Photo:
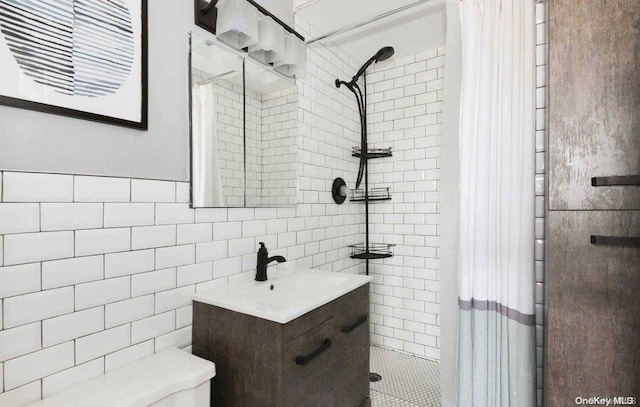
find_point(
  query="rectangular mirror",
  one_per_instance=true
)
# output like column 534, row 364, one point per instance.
column 272, row 137
column 244, row 135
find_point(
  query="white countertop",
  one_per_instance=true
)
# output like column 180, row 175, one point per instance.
column 287, row 294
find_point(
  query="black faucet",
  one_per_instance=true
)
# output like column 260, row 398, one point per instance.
column 263, row 261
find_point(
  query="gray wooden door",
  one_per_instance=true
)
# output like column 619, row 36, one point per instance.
column 593, row 340
column 594, row 102
column 593, row 291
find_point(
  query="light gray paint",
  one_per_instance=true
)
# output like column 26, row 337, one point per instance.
column 450, row 205
column 34, row 141
column 41, row 142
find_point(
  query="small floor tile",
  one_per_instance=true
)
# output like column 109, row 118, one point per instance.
column 382, row 400
column 407, row 381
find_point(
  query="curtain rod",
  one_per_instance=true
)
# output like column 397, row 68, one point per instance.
column 367, row 21
column 374, row 18
column 213, row 78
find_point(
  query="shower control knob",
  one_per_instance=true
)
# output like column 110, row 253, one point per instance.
column 339, row 191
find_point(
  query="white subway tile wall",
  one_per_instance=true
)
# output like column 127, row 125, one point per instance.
column 67, row 378
column 45, row 362
column 541, row 135
column 234, row 146
column 32, row 247
column 23, row 309
column 270, row 147
column 70, row 216
column 70, row 326
column 19, row 341
column 97, row 272
column 101, row 189
column 404, row 102
column 26, row 187
column 278, row 148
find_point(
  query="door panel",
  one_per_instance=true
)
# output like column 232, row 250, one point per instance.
column 594, row 102
column 311, row 384
column 593, row 300
column 352, row 370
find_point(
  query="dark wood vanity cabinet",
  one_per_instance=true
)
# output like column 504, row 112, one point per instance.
column 256, row 362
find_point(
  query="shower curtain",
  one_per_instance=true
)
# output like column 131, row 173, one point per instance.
column 496, row 326
column 207, row 183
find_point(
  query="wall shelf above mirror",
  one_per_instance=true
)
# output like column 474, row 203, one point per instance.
column 244, row 135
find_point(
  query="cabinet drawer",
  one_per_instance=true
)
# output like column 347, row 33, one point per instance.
column 306, row 322
column 593, row 305
column 310, row 382
column 594, row 103
column 346, row 309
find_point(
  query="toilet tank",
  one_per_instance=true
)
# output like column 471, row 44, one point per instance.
column 170, row 378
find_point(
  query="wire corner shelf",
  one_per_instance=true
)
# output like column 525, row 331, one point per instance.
column 374, row 251
column 375, row 194
column 372, row 152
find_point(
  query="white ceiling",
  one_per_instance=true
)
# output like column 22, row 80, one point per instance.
column 414, row 30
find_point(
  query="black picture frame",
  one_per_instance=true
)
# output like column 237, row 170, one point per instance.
column 79, row 114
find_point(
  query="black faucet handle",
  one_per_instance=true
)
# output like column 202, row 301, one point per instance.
column 262, row 246
column 262, row 251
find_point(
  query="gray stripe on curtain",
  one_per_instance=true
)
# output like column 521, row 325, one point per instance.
column 525, row 319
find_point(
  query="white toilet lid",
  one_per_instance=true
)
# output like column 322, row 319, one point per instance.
column 139, row 384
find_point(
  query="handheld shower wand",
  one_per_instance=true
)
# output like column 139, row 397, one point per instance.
column 382, row 55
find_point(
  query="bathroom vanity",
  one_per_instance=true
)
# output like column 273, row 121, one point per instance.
column 294, row 341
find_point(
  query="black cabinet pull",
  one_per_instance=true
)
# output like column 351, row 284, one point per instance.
column 615, row 181
column 615, row 241
column 303, row 360
column 348, row 328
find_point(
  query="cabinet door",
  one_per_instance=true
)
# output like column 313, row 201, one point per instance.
column 310, row 384
column 352, row 369
column 593, row 300
column 247, row 354
column 594, row 102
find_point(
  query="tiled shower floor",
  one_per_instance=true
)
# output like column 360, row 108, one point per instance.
column 407, row 381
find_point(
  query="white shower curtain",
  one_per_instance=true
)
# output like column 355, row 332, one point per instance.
column 496, row 327
column 207, row 183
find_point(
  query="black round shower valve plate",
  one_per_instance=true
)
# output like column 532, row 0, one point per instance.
column 337, row 191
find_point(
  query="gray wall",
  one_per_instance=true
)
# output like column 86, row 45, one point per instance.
column 34, row 141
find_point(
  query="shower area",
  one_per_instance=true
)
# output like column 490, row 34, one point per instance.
column 403, row 173
column 394, row 80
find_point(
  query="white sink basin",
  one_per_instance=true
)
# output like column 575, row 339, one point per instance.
column 285, row 298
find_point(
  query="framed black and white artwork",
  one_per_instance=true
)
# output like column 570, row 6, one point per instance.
column 78, row 58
